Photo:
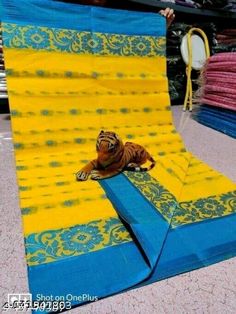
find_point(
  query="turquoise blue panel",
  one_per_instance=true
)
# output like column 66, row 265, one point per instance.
column 79, row 17
column 100, row 273
column 148, row 226
column 195, row 246
column 180, row 249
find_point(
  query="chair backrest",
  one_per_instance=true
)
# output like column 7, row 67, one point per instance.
column 195, row 48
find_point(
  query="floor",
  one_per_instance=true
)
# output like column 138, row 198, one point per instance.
column 210, row 290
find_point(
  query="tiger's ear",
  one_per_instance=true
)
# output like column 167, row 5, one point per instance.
column 101, row 132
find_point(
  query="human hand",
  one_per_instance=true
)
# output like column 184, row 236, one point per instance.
column 169, row 14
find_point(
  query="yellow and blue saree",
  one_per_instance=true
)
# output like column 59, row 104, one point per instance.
column 71, row 71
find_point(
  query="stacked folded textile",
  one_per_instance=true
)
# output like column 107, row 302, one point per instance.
column 206, row 4
column 211, row 4
column 231, row 6
column 220, row 119
column 225, row 41
column 186, row 3
column 219, row 91
column 219, row 81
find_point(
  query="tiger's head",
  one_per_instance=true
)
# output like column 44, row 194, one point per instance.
column 109, row 146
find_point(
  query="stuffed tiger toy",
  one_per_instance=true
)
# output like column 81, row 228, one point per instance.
column 114, row 157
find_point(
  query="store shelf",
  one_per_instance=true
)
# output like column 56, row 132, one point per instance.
column 211, row 13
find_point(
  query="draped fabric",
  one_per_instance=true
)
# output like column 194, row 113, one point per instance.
column 74, row 70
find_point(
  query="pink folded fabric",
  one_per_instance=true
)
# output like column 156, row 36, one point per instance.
column 220, row 74
column 224, row 56
column 222, row 99
column 221, row 82
column 228, row 66
column 215, row 103
column 218, row 81
column 218, row 89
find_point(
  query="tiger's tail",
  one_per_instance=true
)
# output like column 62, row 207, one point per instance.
column 141, row 169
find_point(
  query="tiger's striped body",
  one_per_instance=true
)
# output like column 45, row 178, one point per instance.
column 114, row 157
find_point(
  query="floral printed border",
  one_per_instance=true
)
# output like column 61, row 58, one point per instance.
column 72, row 41
column 181, row 213
column 53, row 245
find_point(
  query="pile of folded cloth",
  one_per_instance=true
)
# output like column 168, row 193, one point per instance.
column 225, row 41
column 229, row 5
column 186, row 3
column 217, row 94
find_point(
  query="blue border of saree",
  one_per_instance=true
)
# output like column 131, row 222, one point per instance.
column 158, row 251
column 72, row 16
column 178, row 249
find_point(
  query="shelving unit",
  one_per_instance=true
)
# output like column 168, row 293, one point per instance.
column 3, row 87
column 222, row 14
column 193, row 17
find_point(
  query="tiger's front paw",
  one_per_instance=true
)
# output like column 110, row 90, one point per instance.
column 96, row 175
column 132, row 165
column 82, row 176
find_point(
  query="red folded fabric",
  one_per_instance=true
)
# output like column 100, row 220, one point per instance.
column 221, row 81
column 220, row 98
column 218, row 89
column 228, row 66
column 216, row 103
column 219, row 75
column 218, row 80
column 223, row 56
column 230, row 32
